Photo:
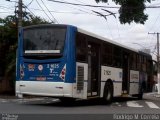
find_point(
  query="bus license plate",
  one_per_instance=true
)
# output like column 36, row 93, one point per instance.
column 41, row 78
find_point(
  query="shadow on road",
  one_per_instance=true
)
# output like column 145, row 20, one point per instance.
column 80, row 103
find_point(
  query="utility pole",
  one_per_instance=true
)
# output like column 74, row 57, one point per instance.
column 158, row 61
column 19, row 27
column 19, row 14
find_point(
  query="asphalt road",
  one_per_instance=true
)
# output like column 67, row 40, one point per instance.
column 95, row 109
column 149, row 104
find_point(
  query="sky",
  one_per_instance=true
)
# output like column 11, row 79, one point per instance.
column 132, row 35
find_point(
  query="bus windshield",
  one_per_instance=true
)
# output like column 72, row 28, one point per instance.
column 43, row 40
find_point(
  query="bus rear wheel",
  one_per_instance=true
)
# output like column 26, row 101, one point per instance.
column 108, row 93
column 140, row 95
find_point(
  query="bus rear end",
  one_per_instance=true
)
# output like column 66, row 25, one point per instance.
column 46, row 61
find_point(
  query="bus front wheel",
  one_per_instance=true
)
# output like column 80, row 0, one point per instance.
column 108, row 93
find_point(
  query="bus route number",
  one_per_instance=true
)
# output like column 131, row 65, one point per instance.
column 52, row 67
column 107, row 72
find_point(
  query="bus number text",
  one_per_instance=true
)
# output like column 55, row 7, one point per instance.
column 107, row 72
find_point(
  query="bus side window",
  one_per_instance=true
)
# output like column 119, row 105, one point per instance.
column 81, row 50
column 144, row 64
column 117, row 61
column 133, row 61
column 107, row 55
column 138, row 62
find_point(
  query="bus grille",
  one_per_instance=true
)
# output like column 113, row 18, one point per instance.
column 80, row 78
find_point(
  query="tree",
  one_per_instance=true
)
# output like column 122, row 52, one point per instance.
column 131, row 10
column 8, row 43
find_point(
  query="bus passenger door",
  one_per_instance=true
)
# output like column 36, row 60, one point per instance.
column 93, row 69
column 125, row 82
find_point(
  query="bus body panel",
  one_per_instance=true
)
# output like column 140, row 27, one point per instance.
column 134, row 82
column 114, row 74
column 80, row 90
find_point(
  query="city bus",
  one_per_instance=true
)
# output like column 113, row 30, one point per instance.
column 67, row 62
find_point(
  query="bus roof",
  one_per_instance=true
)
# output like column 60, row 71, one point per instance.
column 45, row 25
column 105, row 39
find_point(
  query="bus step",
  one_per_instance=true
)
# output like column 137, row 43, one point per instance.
column 90, row 97
column 125, row 95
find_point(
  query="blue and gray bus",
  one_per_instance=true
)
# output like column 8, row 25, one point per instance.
column 66, row 62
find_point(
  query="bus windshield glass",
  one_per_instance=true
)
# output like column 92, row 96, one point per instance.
column 44, row 40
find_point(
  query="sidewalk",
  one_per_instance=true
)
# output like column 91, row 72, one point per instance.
column 7, row 96
column 152, row 96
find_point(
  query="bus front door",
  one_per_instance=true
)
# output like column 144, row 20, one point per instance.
column 93, row 69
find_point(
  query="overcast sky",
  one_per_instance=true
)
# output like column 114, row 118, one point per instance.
column 133, row 35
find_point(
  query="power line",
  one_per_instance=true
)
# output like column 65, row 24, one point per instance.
column 49, row 11
column 109, row 29
column 30, row 11
column 155, row 22
column 79, row 1
column 96, row 6
column 63, row 11
column 6, row 7
column 83, row 11
column 44, row 11
column 6, row 12
column 83, row 8
column 29, row 3
column 81, row 4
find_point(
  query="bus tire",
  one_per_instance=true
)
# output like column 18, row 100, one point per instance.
column 142, row 88
column 140, row 95
column 108, row 93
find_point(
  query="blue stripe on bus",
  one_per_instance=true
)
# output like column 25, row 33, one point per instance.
column 42, row 61
column 70, row 54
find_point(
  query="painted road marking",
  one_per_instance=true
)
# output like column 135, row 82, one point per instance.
column 55, row 100
column 133, row 104
column 117, row 104
column 152, row 105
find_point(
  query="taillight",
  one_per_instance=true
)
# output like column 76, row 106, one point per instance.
column 21, row 71
column 63, row 73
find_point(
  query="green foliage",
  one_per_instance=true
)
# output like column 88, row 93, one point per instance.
column 131, row 10
column 34, row 20
column 9, row 40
